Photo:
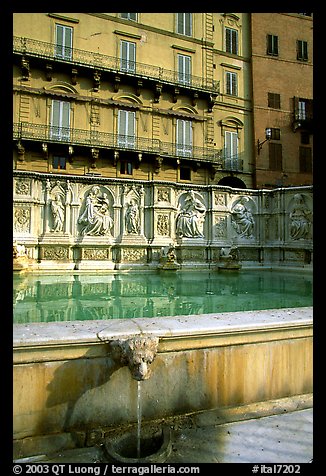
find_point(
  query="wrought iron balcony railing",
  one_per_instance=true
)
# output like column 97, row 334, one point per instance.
column 93, row 138
column 94, row 60
column 232, row 163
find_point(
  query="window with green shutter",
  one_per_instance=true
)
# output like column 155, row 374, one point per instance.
column 184, row 69
column 305, row 160
column 231, row 41
column 128, row 56
column 129, row 16
column 302, row 50
column 231, row 152
column 275, row 156
column 272, row 45
column 60, row 120
column 184, row 23
column 184, row 138
column 231, row 83
column 126, row 129
column 63, row 42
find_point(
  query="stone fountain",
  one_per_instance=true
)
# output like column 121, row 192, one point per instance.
column 150, row 445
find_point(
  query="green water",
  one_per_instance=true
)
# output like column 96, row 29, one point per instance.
column 49, row 298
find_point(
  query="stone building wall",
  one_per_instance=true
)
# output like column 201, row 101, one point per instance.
column 77, row 223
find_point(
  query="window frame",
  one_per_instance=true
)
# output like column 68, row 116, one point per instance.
column 231, row 83
column 272, row 47
column 302, row 50
column 231, row 41
column 64, row 48
column 57, row 161
column 275, row 156
column 184, row 148
column 126, row 141
column 183, row 76
column 58, row 131
column 181, row 24
column 126, row 167
column 128, row 65
column 274, row 100
column 128, row 16
column 185, row 169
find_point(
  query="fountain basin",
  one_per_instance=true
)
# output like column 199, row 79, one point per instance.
column 155, row 446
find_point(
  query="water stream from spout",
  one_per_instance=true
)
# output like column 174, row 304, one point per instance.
column 138, row 417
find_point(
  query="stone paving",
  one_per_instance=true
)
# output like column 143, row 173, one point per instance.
column 280, row 438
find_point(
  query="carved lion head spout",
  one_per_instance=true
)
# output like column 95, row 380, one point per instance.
column 138, row 353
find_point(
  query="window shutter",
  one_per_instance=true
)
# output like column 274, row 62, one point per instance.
column 67, row 42
column 128, row 56
column 60, row 120
column 65, row 120
column 126, row 128
column 184, row 137
column 63, row 42
column 275, row 156
column 187, row 24
column 180, row 23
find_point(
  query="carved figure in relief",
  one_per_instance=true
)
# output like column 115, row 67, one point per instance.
column 190, row 220
column 58, row 212
column 132, row 217
column 96, row 219
column 242, row 220
column 299, row 218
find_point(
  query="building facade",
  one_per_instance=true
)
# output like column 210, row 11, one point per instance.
column 134, row 95
column 282, row 72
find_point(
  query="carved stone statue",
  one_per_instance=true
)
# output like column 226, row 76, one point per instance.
column 299, row 218
column 58, row 213
column 96, row 219
column 168, row 258
column 132, row 217
column 242, row 220
column 229, row 258
column 190, row 219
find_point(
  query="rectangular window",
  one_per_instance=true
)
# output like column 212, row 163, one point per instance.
column 185, row 173
column 129, row 16
column 302, row 50
column 126, row 129
column 305, row 160
column 231, row 83
column 274, row 100
column 125, row 167
column 128, row 56
column 59, row 162
column 184, row 138
column 272, row 45
column 275, row 133
column 60, row 120
column 231, row 41
column 230, row 149
column 63, row 42
column 184, row 69
column 275, row 156
column 184, row 23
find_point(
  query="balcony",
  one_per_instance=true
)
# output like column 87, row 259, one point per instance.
column 95, row 139
column 98, row 61
column 303, row 115
column 232, row 164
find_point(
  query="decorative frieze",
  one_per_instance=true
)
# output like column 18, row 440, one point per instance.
column 115, row 223
column 134, row 255
column 55, row 252
column 96, row 253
